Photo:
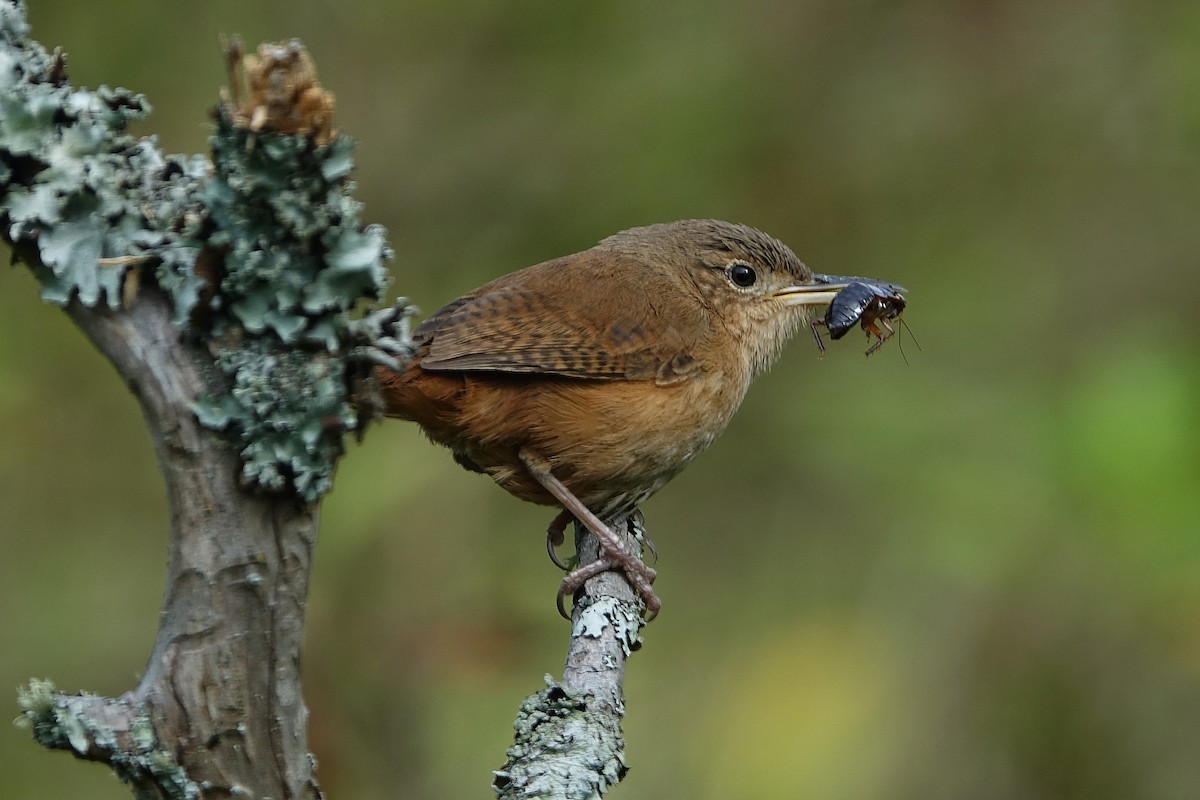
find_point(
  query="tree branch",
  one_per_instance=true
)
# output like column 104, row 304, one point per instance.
column 568, row 741
column 221, row 292
column 222, row 686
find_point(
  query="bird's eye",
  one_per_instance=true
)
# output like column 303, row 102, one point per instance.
column 742, row 274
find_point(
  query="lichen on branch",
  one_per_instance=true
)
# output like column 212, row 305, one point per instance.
column 71, row 178
column 96, row 728
column 260, row 249
column 288, row 262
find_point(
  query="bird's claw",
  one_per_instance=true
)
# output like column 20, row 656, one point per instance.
column 639, row 575
column 555, row 536
column 637, row 529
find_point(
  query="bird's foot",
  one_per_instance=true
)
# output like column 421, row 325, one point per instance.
column 639, row 575
column 613, row 554
column 555, row 536
column 637, row 527
column 556, row 530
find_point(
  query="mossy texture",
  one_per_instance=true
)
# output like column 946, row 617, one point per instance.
column 260, row 251
column 562, row 749
column 71, row 722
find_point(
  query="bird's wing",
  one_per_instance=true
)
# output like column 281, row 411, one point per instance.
column 535, row 321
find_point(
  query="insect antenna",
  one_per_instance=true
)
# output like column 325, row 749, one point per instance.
column 900, row 339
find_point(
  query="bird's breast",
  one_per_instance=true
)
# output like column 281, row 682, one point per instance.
column 628, row 438
column 612, row 442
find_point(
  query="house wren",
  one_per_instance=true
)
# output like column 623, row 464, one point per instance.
column 589, row 381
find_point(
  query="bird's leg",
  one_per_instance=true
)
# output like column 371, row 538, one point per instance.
column 612, row 552
column 557, row 528
column 554, row 536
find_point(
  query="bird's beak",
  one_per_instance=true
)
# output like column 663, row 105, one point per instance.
column 808, row 294
column 826, row 287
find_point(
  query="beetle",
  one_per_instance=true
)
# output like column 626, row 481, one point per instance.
column 871, row 304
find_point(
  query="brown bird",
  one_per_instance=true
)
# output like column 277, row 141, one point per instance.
column 589, row 381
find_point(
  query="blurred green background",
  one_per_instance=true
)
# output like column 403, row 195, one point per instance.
column 974, row 575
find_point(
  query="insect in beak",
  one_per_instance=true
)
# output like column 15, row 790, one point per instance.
column 870, row 303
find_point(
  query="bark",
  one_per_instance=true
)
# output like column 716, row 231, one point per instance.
column 224, row 675
column 138, row 248
column 221, row 690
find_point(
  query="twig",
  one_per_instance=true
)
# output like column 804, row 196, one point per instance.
column 568, row 736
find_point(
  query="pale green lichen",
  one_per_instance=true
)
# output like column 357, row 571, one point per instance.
column 295, row 264
column 283, row 403
column 73, row 180
column 562, row 749
column 260, row 249
column 36, row 702
column 602, row 613
column 296, row 258
column 69, row 722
